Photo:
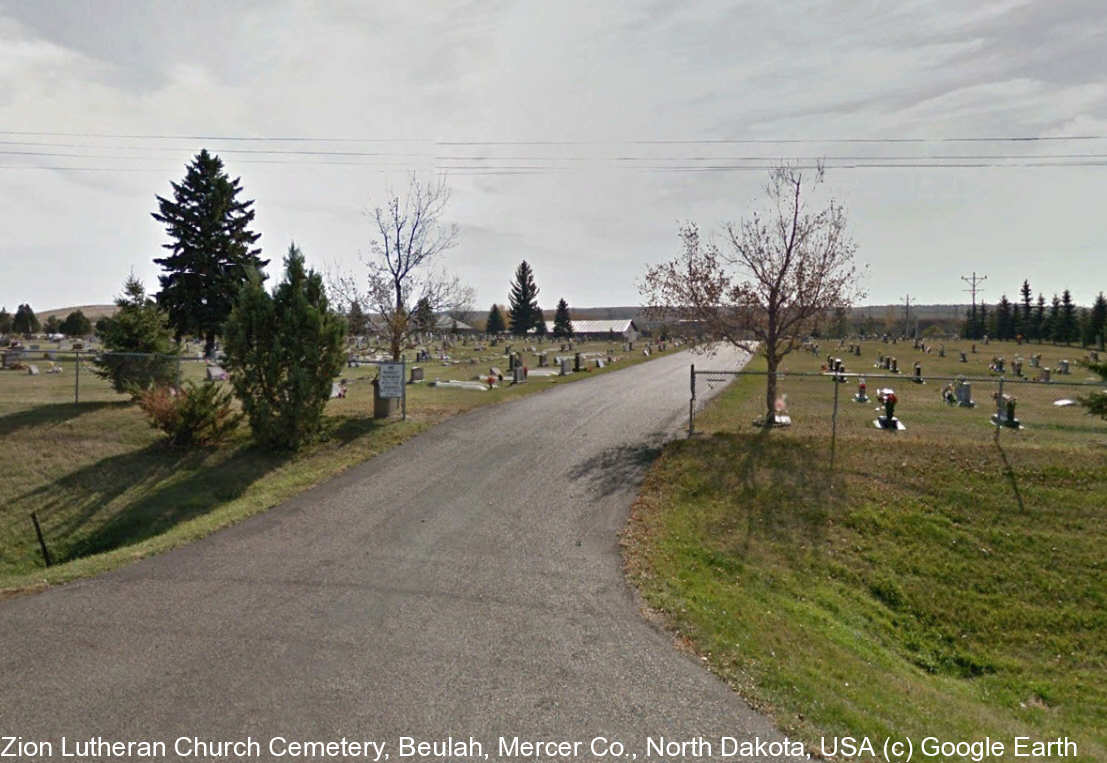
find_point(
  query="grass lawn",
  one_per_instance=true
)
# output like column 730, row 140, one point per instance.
column 942, row 584
column 108, row 490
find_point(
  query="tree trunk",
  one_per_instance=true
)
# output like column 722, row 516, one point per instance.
column 209, row 344
column 397, row 326
column 770, row 390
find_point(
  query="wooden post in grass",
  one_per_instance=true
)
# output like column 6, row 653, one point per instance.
column 692, row 400
column 41, row 540
column 834, row 425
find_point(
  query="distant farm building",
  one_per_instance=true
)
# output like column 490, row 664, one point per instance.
column 624, row 329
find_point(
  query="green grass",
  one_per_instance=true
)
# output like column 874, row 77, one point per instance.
column 108, row 490
column 912, row 594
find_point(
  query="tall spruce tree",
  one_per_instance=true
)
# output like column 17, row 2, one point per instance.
column 357, row 322
column 495, row 323
column 1067, row 330
column 1005, row 326
column 540, row 324
column 211, row 252
column 1040, row 318
column 1026, row 320
column 422, row 317
column 524, row 313
column 563, row 322
column 1097, row 321
column 1052, row 325
column 5, row 321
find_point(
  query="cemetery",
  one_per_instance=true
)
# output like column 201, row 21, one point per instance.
column 944, row 578
column 82, row 460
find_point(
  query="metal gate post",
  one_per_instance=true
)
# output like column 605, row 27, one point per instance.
column 692, row 400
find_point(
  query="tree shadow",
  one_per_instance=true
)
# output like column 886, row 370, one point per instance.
column 346, row 429
column 617, row 468
column 52, row 414
column 782, row 485
column 149, row 495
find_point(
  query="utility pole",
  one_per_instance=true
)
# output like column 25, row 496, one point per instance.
column 907, row 316
column 972, row 281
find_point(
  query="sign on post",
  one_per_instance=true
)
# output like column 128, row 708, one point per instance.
column 392, row 380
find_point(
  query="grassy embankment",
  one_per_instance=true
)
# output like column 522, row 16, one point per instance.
column 107, row 489
column 943, row 586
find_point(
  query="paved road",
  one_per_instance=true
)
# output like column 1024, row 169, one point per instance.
column 465, row 583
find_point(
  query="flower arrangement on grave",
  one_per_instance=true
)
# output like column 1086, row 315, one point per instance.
column 890, row 405
column 948, row 394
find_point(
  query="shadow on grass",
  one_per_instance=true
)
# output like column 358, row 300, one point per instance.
column 52, row 414
column 128, row 498
column 346, row 429
column 617, row 468
column 779, row 484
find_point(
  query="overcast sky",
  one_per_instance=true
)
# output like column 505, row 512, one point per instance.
column 576, row 135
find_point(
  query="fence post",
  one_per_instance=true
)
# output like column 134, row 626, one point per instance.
column 41, row 540
column 834, row 423
column 77, row 377
column 692, row 400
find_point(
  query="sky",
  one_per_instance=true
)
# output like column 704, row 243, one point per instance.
column 578, row 136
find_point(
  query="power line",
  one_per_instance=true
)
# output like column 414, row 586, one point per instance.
column 973, row 281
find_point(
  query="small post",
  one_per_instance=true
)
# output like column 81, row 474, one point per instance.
column 41, row 540
column 403, row 396
column 834, row 426
column 76, row 385
column 692, row 400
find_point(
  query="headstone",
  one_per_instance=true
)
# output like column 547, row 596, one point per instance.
column 495, row 371
column 1036, row 360
column 918, row 373
column 887, row 398
column 895, row 366
column 32, row 370
column 1063, row 367
column 416, row 374
column 862, row 392
column 565, row 370
column 1043, row 374
column 543, row 360
column 964, row 359
column 1005, row 412
column 216, row 373
column 1016, row 367
column 576, row 362
column 519, row 374
column 964, row 395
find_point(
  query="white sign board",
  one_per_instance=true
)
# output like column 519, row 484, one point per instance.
column 392, row 380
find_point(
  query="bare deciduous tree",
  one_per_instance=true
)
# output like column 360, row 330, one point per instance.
column 411, row 234
column 784, row 269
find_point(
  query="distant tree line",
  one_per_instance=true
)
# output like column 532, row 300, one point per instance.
column 1060, row 321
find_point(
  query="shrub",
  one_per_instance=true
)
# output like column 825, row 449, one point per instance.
column 283, row 352
column 197, row 415
column 139, row 350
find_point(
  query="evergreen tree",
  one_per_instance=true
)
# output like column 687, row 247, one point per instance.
column 76, row 324
column 357, row 321
column 563, row 322
column 1068, row 328
column 5, row 321
column 495, row 323
column 139, row 332
column 25, row 321
column 986, row 322
column 1097, row 321
column 1026, row 320
column 211, row 252
column 1096, row 402
column 1005, row 325
column 1040, row 318
column 540, row 324
column 284, row 351
column 524, row 301
column 422, row 317
column 52, row 325
column 1052, row 325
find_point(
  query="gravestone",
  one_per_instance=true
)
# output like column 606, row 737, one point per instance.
column 895, row 366
column 1005, row 412
column 1016, row 367
column 216, row 373
column 519, row 374
column 1043, row 374
column 887, row 398
column 32, row 370
column 1063, row 367
column 918, row 379
column 416, row 374
column 543, row 360
column 862, row 392
column 565, row 371
column 964, row 358
column 1035, row 361
column 576, row 362
column 495, row 371
column 964, row 395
